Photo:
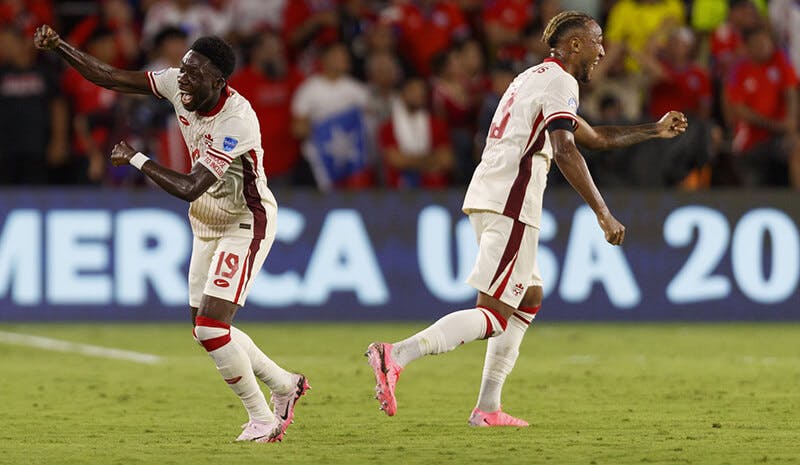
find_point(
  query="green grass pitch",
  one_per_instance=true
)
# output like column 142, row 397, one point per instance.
column 594, row 394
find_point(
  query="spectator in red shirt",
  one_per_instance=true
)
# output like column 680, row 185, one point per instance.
column 269, row 83
column 678, row 82
column 415, row 145
column 726, row 40
column 762, row 96
column 93, row 108
column 26, row 15
column 504, row 22
column 308, row 26
column 456, row 102
column 427, row 28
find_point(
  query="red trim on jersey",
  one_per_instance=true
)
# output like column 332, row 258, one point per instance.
column 215, row 343
column 516, row 196
column 534, row 127
column 503, row 322
column 556, row 61
column 210, row 322
column 226, row 92
column 253, row 197
column 559, row 115
column 222, row 159
column 220, row 154
column 152, row 82
column 509, row 255
column 253, row 200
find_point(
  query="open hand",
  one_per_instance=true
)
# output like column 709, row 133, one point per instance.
column 46, row 38
column 121, row 154
column 672, row 124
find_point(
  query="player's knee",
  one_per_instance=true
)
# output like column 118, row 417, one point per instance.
column 533, row 297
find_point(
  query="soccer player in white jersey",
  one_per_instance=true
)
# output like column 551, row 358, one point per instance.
column 535, row 122
column 231, row 210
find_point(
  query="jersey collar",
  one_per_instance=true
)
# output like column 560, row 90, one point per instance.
column 226, row 92
column 556, row 61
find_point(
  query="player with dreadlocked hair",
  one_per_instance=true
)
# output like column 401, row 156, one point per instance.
column 536, row 122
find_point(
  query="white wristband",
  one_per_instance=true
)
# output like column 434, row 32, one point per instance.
column 138, row 160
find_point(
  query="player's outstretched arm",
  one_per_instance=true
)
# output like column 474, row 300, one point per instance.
column 94, row 70
column 615, row 137
column 186, row 187
column 573, row 166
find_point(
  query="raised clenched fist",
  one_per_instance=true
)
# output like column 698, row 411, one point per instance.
column 46, row 38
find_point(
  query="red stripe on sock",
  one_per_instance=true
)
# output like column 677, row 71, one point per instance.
column 503, row 322
column 210, row 322
column 489, row 327
column 233, row 380
column 216, row 342
column 530, row 310
column 522, row 318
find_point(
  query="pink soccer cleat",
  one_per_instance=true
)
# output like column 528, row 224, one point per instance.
column 496, row 418
column 283, row 404
column 387, row 372
column 260, row 432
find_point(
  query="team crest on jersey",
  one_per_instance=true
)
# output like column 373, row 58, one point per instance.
column 229, row 143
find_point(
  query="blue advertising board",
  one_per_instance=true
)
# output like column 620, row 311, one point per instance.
column 123, row 255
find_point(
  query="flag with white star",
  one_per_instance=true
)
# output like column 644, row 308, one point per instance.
column 339, row 144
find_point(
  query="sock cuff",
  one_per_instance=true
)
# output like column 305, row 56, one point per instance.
column 497, row 316
column 207, row 331
column 210, row 322
column 527, row 314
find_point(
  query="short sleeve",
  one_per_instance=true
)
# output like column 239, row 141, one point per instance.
column 560, row 100
column 164, row 83
column 230, row 139
column 789, row 75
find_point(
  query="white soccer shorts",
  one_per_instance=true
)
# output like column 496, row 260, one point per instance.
column 506, row 264
column 226, row 267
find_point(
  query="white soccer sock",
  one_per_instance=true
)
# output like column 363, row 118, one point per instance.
column 449, row 332
column 234, row 366
column 501, row 355
column 276, row 378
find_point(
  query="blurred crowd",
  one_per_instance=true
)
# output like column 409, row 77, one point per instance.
column 354, row 94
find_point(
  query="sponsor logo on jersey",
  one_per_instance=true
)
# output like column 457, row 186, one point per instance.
column 229, row 143
column 221, row 283
column 160, row 72
column 183, row 120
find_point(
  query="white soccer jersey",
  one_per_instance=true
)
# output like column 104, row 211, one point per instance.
column 503, row 181
column 227, row 141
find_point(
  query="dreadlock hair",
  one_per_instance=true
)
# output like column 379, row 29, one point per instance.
column 561, row 23
column 218, row 52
